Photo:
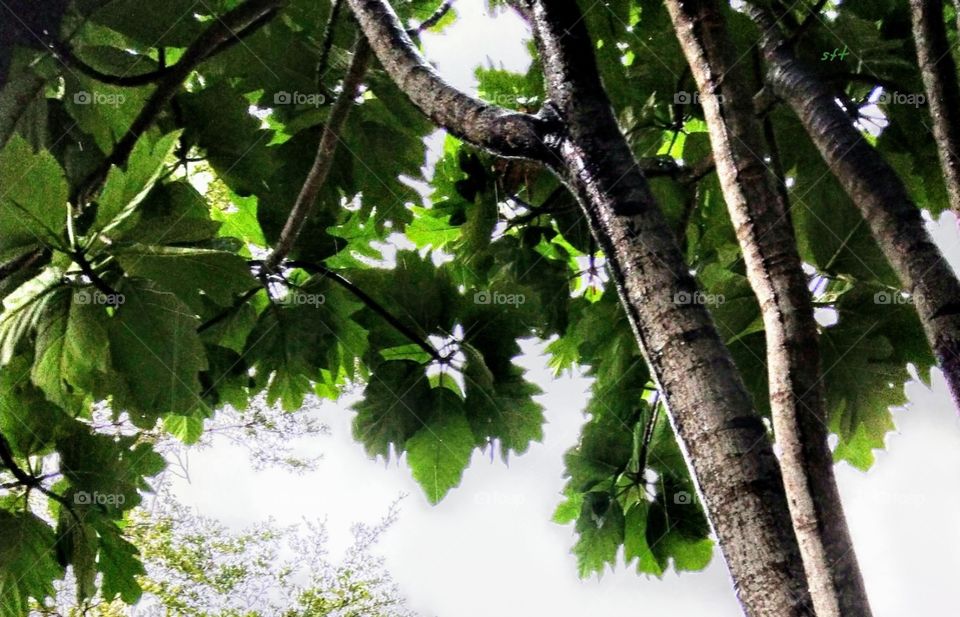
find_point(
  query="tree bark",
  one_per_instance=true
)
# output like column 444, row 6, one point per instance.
column 939, row 73
column 879, row 193
column 728, row 445
column 765, row 233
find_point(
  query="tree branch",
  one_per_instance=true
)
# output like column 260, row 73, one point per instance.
column 503, row 132
column 773, row 265
column 877, row 191
column 710, row 408
column 433, row 20
column 221, row 31
column 939, row 71
column 370, row 303
column 324, row 157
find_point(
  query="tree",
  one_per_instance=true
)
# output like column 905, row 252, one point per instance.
column 217, row 210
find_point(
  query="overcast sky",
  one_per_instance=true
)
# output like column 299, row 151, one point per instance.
column 490, row 549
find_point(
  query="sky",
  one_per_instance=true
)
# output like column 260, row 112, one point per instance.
column 490, row 547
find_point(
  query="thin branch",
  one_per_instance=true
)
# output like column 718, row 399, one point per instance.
column 327, row 44
column 21, row 263
column 229, row 311
column 370, row 303
column 323, row 160
column 27, row 480
column 503, row 132
column 221, row 31
column 433, row 20
column 70, row 59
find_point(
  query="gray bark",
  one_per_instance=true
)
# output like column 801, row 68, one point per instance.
column 765, row 232
column 939, row 73
column 878, row 192
column 729, row 448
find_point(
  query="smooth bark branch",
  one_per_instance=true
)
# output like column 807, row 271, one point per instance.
column 729, row 448
column 323, row 161
column 503, row 132
column 878, row 192
column 939, row 73
column 766, row 236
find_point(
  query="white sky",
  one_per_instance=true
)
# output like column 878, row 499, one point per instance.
column 490, row 549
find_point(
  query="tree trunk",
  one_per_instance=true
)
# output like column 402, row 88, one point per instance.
column 769, row 246
column 878, row 192
column 939, row 73
column 578, row 137
column 709, row 405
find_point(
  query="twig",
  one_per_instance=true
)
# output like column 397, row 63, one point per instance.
column 433, row 20
column 324, row 157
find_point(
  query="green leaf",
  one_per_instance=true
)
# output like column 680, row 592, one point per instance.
column 156, row 352
column 33, row 200
column 123, row 190
column 191, row 273
column 120, row 565
column 600, row 528
column 28, row 565
column 440, row 451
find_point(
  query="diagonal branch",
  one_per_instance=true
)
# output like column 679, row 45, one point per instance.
column 323, row 161
column 877, row 191
column 939, row 71
column 712, row 412
column 797, row 398
column 503, row 132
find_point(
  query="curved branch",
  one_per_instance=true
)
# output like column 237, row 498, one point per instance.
column 503, row 132
column 324, row 157
column 877, row 191
column 223, row 30
column 939, row 73
column 433, row 20
column 766, row 237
